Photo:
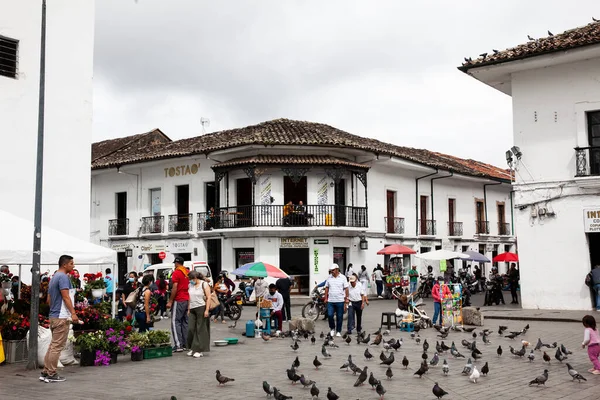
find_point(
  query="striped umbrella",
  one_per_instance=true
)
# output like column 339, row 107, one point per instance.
column 260, row 270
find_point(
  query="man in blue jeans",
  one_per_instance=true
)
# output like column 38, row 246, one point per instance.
column 336, row 298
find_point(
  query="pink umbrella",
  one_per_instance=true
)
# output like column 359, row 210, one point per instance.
column 396, row 249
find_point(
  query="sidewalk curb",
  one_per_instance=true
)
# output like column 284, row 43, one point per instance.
column 529, row 318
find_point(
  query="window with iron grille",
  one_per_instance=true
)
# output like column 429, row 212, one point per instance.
column 8, row 57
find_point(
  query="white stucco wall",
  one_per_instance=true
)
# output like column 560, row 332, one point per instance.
column 68, row 113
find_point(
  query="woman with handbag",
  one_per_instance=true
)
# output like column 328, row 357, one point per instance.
column 130, row 287
column 142, row 306
column 198, row 338
column 220, row 289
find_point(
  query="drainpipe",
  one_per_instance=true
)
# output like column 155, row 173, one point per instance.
column 512, row 215
column 485, row 199
column 417, row 198
column 433, row 179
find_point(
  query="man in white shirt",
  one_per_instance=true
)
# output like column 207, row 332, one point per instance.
column 378, row 275
column 358, row 300
column 349, row 271
column 336, row 298
column 277, row 299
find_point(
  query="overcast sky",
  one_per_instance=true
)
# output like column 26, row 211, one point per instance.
column 381, row 69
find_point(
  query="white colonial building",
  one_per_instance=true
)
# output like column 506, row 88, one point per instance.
column 221, row 197
column 68, row 111
column 555, row 87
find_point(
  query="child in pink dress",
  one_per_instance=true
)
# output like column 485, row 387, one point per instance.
column 591, row 339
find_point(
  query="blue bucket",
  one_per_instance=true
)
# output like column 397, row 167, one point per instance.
column 265, row 312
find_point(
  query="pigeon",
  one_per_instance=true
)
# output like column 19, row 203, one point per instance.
column 267, row 388
column 474, row 335
column 466, row 343
column 424, row 356
column 421, row 371
column 355, row 369
column 331, row 395
column 474, row 348
column 306, row 382
column 412, row 335
column 531, row 356
column 348, row 340
column 445, row 367
column 468, row 367
column 292, row 376
column 280, row 396
column 546, row 358
column 496, row 51
column 397, row 344
column 389, row 360
column 525, row 343
column 501, row 329
column 405, row 362
column 386, row 332
column 574, row 374
column 468, row 330
column 345, row 366
column 380, row 390
column 511, row 335
column 485, row 369
column 539, row 344
column 499, row 351
column 560, row 356
column 521, row 352
column 232, row 326
column 456, row 354
column 373, row 381
column 443, row 335
column 296, row 363
column 312, row 339
column 325, row 353
column 540, row 380
column 314, row 391
column 595, row 20
column 444, row 347
column 322, row 335
column 564, row 350
column 222, row 379
column 366, row 340
column 368, row 354
column 377, row 340
column 382, row 356
column 438, row 347
column 316, row 363
column 434, row 360
column 485, row 339
column 377, row 332
column 425, row 345
column 438, row 392
column 474, row 375
column 388, row 373
column 418, row 339
column 361, row 378
column 530, row 38
column 265, row 337
column 554, row 345
column 550, row 33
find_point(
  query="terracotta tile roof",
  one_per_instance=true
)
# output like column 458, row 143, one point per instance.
column 583, row 36
column 112, row 149
column 285, row 132
column 289, row 160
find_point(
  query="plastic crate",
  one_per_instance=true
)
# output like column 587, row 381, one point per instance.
column 158, row 352
column 15, row 350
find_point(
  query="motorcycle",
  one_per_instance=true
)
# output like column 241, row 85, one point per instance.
column 317, row 306
column 233, row 306
column 242, row 287
column 493, row 293
column 425, row 285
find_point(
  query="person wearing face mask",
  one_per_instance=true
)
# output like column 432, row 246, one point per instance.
column 15, row 287
column 130, row 286
column 198, row 337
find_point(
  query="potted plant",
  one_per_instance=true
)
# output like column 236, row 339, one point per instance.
column 159, row 344
column 116, row 343
column 137, row 343
column 89, row 344
column 14, row 328
column 96, row 284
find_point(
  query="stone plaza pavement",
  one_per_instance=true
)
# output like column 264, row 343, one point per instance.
column 254, row 360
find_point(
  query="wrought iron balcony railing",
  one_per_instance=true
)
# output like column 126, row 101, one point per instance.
column 153, row 224
column 503, row 228
column 180, row 223
column 394, row 225
column 427, row 227
column 482, row 227
column 587, row 161
column 118, row 227
column 455, row 228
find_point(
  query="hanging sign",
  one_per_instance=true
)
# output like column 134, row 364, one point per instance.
column 316, row 260
column 294, row 242
column 591, row 220
column 442, row 265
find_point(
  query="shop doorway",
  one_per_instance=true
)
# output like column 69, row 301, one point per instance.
column 296, row 263
column 294, row 192
column 121, row 266
column 154, row 259
column 213, row 255
column 339, row 258
column 594, row 246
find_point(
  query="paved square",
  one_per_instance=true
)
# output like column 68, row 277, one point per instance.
column 254, row 360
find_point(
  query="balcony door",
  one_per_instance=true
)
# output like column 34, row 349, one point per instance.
column 451, row 216
column 155, row 202
column 423, row 214
column 391, row 207
column 340, row 203
column 594, row 141
column 294, row 192
column 183, row 208
column 480, row 215
column 243, row 196
column 121, row 205
column 501, row 219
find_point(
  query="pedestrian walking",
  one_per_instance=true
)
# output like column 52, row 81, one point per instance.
column 110, row 284
column 198, row 338
column 591, row 339
column 413, row 277
column 596, row 284
column 161, row 296
column 363, row 278
column 142, row 305
column 378, row 277
column 336, row 298
column 283, row 287
column 130, row 285
column 178, row 303
column 61, row 295
column 513, row 278
column 357, row 300
column 349, row 271
column 439, row 292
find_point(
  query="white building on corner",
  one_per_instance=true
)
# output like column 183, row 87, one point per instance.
column 151, row 195
column 68, row 113
column 554, row 83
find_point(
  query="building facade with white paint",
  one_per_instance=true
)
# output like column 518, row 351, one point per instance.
column 153, row 195
column 554, row 83
column 68, row 110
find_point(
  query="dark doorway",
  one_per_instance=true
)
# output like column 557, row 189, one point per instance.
column 423, row 215
column 391, row 207
column 121, row 267
column 181, row 222
column 594, row 246
column 294, row 192
column 213, row 255
column 339, row 258
column 244, row 197
column 209, row 195
column 154, row 259
column 121, row 199
column 340, row 203
column 593, row 121
column 494, row 254
column 183, row 199
column 295, row 262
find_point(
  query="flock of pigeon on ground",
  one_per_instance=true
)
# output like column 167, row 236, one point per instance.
column 387, row 358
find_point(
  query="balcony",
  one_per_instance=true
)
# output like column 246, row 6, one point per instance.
column 482, row 227
column 427, row 227
column 394, row 225
column 587, row 161
column 153, row 224
column 180, row 223
column 118, row 227
column 503, row 228
column 455, row 228
column 279, row 216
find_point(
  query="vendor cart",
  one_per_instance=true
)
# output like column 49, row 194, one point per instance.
column 452, row 306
